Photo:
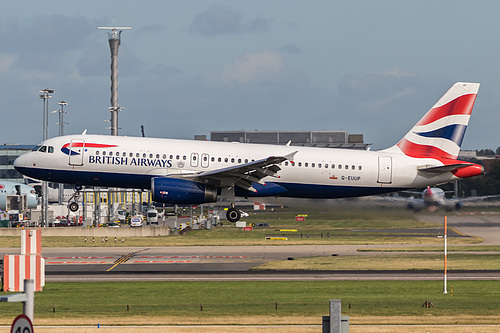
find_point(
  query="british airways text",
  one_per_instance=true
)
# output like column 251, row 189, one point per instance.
column 116, row 160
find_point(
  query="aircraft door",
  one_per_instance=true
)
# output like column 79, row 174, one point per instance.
column 204, row 160
column 76, row 149
column 385, row 169
column 194, row 159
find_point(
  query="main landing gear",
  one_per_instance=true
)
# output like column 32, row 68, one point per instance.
column 73, row 201
column 233, row 214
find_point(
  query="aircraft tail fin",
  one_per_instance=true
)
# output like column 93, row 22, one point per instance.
column 440, row 132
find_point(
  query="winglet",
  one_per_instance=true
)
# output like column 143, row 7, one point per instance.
column 288, row 143
column 84, row 132
column 291, row 156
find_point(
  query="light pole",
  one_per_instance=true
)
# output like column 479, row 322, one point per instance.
column 61, row 117
column 45, row 95
column 61, row 133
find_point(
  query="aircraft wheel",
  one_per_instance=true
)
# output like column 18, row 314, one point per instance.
column 233, row 215
column 73, row 206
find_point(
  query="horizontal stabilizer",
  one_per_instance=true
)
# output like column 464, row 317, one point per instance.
column 443, row 168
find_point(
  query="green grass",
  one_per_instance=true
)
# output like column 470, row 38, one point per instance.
column 470, row 248
column 308, row 298
column 344, row 226
column 456, row 261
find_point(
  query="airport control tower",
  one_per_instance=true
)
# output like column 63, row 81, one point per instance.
column 114, row 43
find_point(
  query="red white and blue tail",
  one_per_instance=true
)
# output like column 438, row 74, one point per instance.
column 440, row 132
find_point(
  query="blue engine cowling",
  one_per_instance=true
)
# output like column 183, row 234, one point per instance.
column 181, row 191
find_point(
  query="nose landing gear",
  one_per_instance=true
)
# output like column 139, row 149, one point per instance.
column 73, row 201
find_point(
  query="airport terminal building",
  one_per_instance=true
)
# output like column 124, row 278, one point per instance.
column 324, row 139
column 8, row 153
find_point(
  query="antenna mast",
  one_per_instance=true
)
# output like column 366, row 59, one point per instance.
column 114, row 43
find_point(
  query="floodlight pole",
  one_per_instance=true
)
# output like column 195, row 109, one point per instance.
column 45, row 95
column 114, row 43
column 61, row 133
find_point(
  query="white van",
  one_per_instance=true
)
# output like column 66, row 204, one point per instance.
column 152, row 216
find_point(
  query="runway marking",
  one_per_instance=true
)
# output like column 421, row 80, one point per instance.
column 196, row 257
column 76, row 262
column 124, row 258
column 163, row 261
column 77, row 258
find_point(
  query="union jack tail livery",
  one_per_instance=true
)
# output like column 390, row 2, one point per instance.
column 440, row 132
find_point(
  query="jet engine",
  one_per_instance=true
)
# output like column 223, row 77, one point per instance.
column 181, row 191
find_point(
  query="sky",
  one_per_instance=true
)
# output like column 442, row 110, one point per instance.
column 190, row 67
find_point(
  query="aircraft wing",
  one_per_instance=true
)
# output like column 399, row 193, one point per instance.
column 243, row 175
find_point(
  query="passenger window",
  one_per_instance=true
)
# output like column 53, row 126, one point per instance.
column 340, row 166
column 164, row 156
column 312, row 165
column 150, row 155
column 292, row 163
column 300, row 164
column 124, row 154
column 205, row 158
column 131, row 154
column 319, row 165
column 97, row 152
column 177, row 157
column 194, row 157
column 110, row 153
column 346, row 167
column 306, row 164
column 144, row 155
column 103, row 153
column 226, row 159
column 246, row 160
column 157, row 155
column 360, row 167
column 286, row 163
column 219, row 159
column 137, row 154
column 353, row 167
column 326, row 166
column 212, row 159
column 333, row 166
column 184, row 157
column 171, row 157
column 232, row 160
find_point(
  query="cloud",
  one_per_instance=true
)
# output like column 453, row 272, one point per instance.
column 290, row 48
column 222, row 20
column 250, row 68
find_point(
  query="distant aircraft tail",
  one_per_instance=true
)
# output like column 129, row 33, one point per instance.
column 440, row 132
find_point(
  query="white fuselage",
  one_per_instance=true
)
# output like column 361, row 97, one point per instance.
column 131, row 162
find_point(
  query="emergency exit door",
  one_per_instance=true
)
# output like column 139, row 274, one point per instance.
column 385, row 169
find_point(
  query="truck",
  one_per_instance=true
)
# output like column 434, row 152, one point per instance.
column 152, row 216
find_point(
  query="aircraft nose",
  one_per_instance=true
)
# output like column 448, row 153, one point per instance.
column 21, row 162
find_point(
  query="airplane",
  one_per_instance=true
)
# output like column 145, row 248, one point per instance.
column 196, row 172
column 10, row 190
column 432, row 198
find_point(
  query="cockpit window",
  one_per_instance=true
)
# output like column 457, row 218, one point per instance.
column 51, row 149
column 43, row 149
column 36, row 148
